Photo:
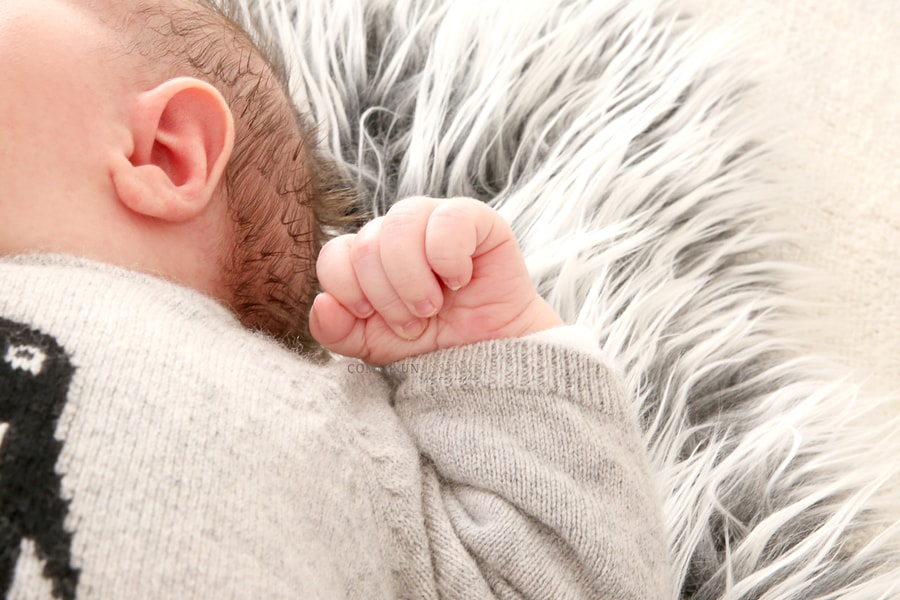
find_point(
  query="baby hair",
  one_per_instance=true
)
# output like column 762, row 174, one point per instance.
column 284, row 196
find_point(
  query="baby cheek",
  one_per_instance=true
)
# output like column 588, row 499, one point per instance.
column 54, row 85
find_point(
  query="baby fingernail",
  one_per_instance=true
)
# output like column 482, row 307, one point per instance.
column 454, row 284
column 413, row 329
column 363, row 308
column 425, row 308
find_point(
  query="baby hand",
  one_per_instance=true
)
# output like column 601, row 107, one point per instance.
column 430, row 274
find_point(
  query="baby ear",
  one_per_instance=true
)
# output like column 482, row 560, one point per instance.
column 183, row 135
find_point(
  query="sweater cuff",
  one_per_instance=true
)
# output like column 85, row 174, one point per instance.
column 522, row 364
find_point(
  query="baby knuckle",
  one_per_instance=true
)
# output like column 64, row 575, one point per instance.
column 401, row 218
column 367, row 242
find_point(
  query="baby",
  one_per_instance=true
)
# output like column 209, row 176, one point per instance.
column 157, row 181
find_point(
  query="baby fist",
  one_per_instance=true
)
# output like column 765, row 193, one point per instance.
column 430, row 274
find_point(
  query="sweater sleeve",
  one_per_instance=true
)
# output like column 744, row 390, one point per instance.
column 534, row 479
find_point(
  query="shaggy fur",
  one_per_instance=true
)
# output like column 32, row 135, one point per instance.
column 613, row 134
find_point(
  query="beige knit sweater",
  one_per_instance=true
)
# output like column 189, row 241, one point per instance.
column 152, row 448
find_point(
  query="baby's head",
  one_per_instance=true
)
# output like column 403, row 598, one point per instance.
column 155, row 135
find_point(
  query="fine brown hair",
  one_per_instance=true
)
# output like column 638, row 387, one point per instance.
column 284, row 196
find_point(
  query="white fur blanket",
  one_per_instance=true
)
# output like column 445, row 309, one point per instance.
column 613, row 134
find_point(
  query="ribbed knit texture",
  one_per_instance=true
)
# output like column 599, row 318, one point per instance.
column 534, row 482
column 201, row 460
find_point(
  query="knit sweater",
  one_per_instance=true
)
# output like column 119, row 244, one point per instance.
column 153, row 448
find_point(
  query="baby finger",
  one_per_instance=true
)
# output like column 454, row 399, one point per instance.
column 403, row 256
column 367, row 264
column 336, row 275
